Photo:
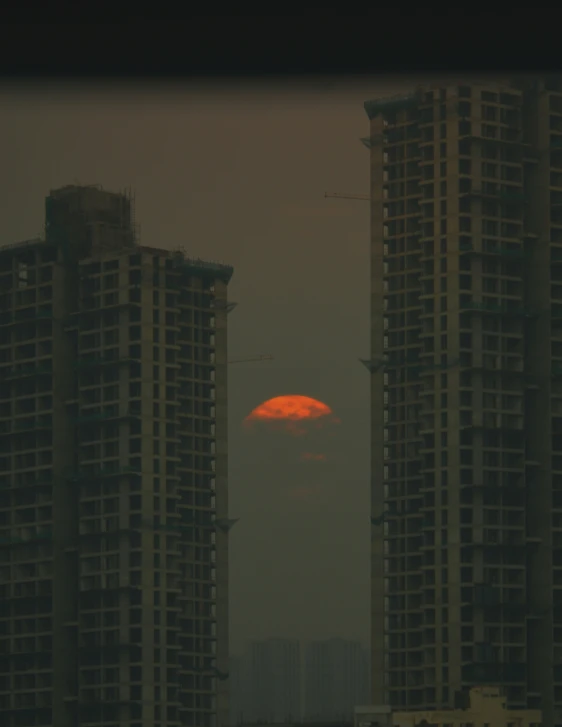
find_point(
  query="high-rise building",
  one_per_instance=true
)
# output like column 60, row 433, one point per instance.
column 113, row 476
column 268, row 682
column 466, row 370
column 336, row 677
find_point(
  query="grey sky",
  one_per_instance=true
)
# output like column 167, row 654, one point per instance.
column 238, row 174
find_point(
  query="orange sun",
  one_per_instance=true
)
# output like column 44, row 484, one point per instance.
column 291, row 411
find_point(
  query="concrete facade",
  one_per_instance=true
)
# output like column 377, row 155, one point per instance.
column 466, row 395
column 113, row 476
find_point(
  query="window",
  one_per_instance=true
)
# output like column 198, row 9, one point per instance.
column 490, row 170
column 110, row 281
column 466, row 282
column 489, row 113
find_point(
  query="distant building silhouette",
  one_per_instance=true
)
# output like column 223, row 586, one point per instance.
column 266, row 682
column 239, row 689
column 336, row 679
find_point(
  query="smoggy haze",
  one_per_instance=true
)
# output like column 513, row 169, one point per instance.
column 238, row 174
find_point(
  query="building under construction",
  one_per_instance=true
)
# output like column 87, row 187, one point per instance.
column 466, row 367
column 113, row 476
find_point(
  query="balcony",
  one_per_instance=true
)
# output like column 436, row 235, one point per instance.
column 428, row 368
column 106, row 415
column 31, row 484
column 96, row 361
column 495, row 251
column 104, row 473
column 26, row 315
column 28, row 425
column 26, row 370
column 503, row 310
column 496, row 538
column 509, row 137
column 42, row 535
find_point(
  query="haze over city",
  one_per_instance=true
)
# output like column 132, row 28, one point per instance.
column 281, row 404
column 238, row 174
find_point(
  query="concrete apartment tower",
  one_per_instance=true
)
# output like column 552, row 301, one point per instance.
column 113, row 476
column 466, row 367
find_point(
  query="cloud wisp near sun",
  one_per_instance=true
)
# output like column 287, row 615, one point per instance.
column 312, row 457
column 302, row 417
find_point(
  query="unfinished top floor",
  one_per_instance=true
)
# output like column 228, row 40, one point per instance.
column 94, row 227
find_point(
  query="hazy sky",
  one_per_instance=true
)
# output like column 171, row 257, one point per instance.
column 238, row 174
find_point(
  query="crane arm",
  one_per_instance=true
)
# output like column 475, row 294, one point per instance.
column 259, row 357
column 337, row 195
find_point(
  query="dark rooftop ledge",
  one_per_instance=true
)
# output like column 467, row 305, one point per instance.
column 224, row 272
column 194, row 265
column 203, row 267
column 391, row 104
column 24, row 244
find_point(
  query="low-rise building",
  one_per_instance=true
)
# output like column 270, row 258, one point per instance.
column 486, row 707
